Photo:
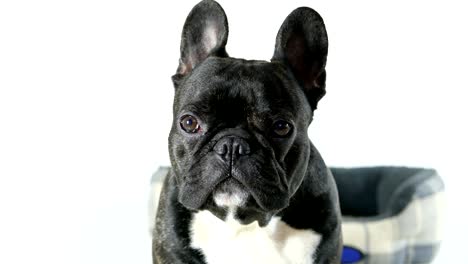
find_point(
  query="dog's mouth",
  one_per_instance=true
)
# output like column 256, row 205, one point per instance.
column 230, row 200
column 251, row 190
column 230, row 193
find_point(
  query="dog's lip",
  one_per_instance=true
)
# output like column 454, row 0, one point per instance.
column 230, row 192
column 195, row 202
column 245, row 214
column 265, row 203
column 252, row 197
column 276, row 207
column 226, row 199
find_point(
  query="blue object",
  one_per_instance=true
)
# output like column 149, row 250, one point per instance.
column 351, row 255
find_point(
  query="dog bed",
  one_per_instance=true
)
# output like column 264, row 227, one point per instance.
column 391, row 215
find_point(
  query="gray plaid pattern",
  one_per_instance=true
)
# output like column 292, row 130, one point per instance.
column 411, row 236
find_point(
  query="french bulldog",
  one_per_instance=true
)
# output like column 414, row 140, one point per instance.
column 246, row 184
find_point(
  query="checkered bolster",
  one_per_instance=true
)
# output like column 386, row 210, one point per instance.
column 155, row 189
column 399, row 234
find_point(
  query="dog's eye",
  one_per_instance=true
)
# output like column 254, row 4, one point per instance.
column 282, row 128
column 189, row 124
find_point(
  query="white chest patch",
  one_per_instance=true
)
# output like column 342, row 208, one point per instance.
column 231, row 243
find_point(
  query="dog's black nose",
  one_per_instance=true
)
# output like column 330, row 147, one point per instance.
column 230, row 148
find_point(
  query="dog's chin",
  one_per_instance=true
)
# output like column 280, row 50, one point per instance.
column 231, row 202
column 240, row 215
column 246, row 216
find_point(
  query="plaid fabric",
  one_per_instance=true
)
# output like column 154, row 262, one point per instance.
column 411, row 233
column 411, row 236
column 156, row 185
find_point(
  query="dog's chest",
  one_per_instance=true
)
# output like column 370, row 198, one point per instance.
column 229, row 242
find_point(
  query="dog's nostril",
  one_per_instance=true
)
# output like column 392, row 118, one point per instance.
column 232, row 147
column 221, row 149
column 243, row 149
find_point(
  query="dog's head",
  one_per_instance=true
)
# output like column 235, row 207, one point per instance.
column 239, row 140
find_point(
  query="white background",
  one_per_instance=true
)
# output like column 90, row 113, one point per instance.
column 85, row 110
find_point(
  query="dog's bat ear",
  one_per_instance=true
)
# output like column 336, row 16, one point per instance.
column 205, row 34
column 302, row 45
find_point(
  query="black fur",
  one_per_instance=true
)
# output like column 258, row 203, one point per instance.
column 238, row 101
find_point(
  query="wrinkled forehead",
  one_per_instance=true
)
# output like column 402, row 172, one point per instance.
column 227, row 84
